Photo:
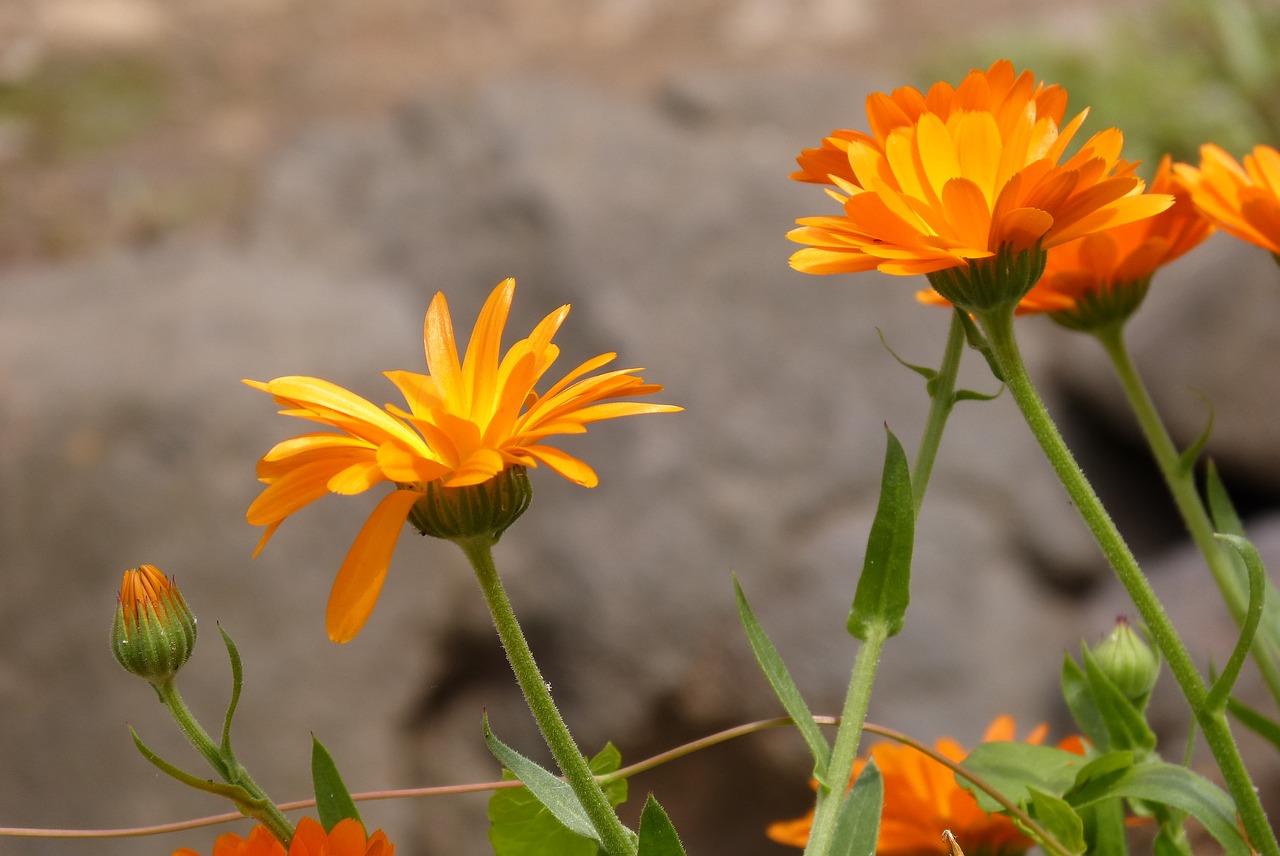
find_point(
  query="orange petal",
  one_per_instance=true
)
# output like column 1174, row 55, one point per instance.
column 359, row 580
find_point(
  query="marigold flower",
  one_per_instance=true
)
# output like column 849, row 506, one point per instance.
column 467, row 421
column 961, row 177
column 346, row 839
column 1104, row 276
column 921, row 799
column 154, row 631
column 1243, row 199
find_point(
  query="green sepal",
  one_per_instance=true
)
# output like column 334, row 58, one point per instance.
column 237, row 680
column 657, row 836
column 1257, row 722
column 1126, row 726
column 858, row 821
column 884, row 588
column 1058, row 818
column 1216, row 700
column 783, row 685
column 1170, row 785
column 244, row 802
column 333, row 801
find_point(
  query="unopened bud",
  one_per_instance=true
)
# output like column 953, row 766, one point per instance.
column 1129, row 662
column 154, row 631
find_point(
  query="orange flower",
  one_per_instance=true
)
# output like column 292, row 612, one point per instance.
column 346, row 839
column 999, row 91
column 154, row 631
column 973, row 172
column 1104, row 276
column 1243, row 200
column 468, row 421
column 921, row 799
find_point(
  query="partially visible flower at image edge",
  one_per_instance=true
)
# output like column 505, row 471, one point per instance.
column 347, row 838
column 468, row 421
column 959, row 175
column 921, row 799
column 1103, row 276
column 1242, row 198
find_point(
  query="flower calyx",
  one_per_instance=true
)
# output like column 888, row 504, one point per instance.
column 483, row 510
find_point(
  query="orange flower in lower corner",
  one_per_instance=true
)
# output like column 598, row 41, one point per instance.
column 347, row 838
column 1244, row 199
column 921, row 799
column 467, row 422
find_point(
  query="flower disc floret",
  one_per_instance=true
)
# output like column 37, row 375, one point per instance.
column 465, row 422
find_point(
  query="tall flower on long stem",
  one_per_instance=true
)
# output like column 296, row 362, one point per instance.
column 347, row 838
column 941, row 183
column 468, row 421
column 1242, row 198
column 974, row 201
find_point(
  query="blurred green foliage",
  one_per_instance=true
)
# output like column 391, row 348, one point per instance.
column 1171, row 74
column 74, row 106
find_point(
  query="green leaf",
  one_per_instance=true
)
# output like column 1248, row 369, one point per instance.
column 657, row 836
column 930, row 375
column 333, row 802
column 858, row 821
column 242, row 799
column 1255, row 721
column 1217, row 698
column 1187, row 460
column 1059, row 818
column 783, row 684
column 1171, row 785
column 1126, row 726
column 1104, row 829
column 1075, row 691
column 237, row 679
column 884, row 586
column 974, row 395
column 979, row 343
column 551, row 791
column 1014, row 769
column 520, row 825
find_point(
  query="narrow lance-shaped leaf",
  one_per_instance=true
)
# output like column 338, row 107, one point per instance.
column 1221, row 689
column 333, row 801
column 551, row 791
column 783, row 684
column 884, row 588
column 520, row 825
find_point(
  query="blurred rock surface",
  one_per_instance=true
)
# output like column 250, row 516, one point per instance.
column 661, row 219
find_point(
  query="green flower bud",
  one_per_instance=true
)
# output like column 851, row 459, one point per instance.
column 154, row 631
column 1129, row 662
column 477, row 510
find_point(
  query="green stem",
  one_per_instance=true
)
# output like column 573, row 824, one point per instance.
column 942, row 400
column 840, row 769
column 1181, row 482
column 614, row 837
column 231, row 770
column 998, row 325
